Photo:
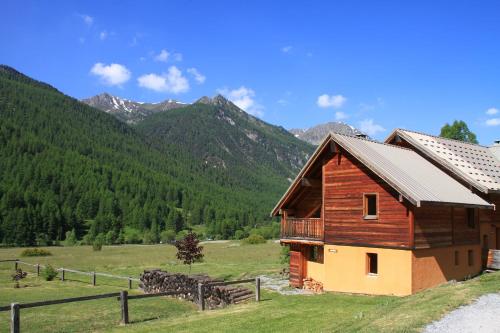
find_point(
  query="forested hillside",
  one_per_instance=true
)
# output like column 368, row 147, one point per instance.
column 65, row 165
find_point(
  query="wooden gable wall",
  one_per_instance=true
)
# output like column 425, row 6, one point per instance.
column 345, row 182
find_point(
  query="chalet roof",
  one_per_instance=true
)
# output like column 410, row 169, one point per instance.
column 477, row 165
column 414, row 177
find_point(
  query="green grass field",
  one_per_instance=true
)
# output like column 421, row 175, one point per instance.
column 329, row 312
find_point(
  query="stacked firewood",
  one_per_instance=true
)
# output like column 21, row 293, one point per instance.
column 216, row 294
column 493, row 259
column 311, row 284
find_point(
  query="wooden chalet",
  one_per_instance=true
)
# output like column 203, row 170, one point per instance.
column 375, row 218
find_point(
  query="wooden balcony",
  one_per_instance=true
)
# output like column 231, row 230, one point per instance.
column 302, row 230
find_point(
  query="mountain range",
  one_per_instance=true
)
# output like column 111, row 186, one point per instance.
column 135, row 170
column 316, row 134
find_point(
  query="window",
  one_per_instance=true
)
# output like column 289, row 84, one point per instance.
column 372, row 263
column 316, row 254
column 471, row 218
column 457, row 261
column 370, row 206
column 470, row 257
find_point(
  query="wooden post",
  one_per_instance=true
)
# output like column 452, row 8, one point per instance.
column 15, row 265
column 257, row 289
column 201, row 299
column 124, row 306
column 129, row 283
column 93, row 278
column 62, row 274
column 15, row 326
column 37, row 269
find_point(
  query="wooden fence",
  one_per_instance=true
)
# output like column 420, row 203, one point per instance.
column 123, row 296
column 63, row 271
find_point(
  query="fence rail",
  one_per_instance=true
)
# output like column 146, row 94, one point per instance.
column 64, row 270
column 123, row 296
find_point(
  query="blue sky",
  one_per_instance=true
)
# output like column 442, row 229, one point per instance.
column 375, row 65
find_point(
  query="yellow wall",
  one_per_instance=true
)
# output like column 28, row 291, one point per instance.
column 345, row 270
column 316, row 271
column 400, row 272
column 432, row 267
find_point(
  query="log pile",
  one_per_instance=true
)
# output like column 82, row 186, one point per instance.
column 493, row 259
column 311, row 284
column 216, row 294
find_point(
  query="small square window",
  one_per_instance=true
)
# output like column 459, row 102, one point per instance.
column 457, row 260
column 372, row 263
column 471, row 218
column 370, row 210
column 470, row 257
column 316, row 254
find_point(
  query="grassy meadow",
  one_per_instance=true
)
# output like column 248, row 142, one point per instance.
column 329, row 312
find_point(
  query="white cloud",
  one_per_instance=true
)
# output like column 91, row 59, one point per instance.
column 162, row 56
column 335, row 101
column 173, row 81
column 243, row 97
column 492, row 111
column 493, row 122
column 112, row 75
column 282, row 101
column 103, row 35
column 339, row 115
column 286, row 49
column 200, row 78
column 369, row 127
column 88, row 20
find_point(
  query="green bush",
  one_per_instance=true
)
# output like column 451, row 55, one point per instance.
column 167, row 236
column 285, row 254
column 98, row 242
column 148, row 237
column 48, row 273
column 181, row 235
column 36, row 252
column 111, row 237
column 254, row 239
column 70, row 238
column 240, row 234
column 132, row 236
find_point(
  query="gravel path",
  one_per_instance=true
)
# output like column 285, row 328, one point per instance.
column 481, row 316
column 281, row 285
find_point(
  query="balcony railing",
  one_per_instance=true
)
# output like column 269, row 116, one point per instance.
column 302, row 228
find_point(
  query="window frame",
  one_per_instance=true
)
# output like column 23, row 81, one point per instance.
column 471, row 218
column 367, row 216
column 369, row 260
column 470, row 257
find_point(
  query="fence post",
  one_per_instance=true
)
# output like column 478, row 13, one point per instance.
column 37, row 269
column 201, row 299
column 257, row 289
column 15, row 265
column 93, row 278
column 14, row 318
column 62, row 274
column 129, row 283
column 124, row 306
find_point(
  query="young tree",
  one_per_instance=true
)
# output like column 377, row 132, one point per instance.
column 458, row 131
column 188, row 250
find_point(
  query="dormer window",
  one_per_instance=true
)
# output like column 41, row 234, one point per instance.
column 370, row 206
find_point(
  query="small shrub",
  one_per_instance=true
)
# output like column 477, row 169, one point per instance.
column 18, row 276
column 98, row 242
column 36, row 252
column 167, row 236
column 148, row 237
column 285, row 254
column 254, row 239
column 132, row 236
column 70, row 239
column 49, row 273
column 182, row 235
